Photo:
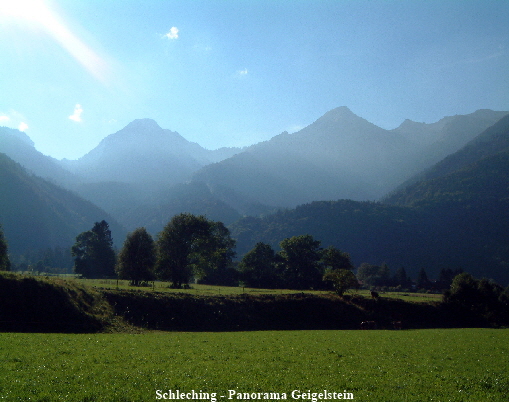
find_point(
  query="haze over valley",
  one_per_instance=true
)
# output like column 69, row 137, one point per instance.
column 143, row 175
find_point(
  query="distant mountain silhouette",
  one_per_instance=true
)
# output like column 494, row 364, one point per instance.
column 143, row 152
column 19, row 147
column 490, row 142
column 37, row 214
column 341, row 155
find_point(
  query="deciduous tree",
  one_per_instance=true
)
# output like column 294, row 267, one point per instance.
column 137, row 258
column 301, row 257
column 93, row 252
column 334, row 259
column 214, row 264
column 193, row 245
column 342, row 280
column 259, row 268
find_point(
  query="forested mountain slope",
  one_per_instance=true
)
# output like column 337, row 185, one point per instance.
column 37, row 214
column 458, row 218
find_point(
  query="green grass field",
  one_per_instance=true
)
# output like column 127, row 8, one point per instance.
column 211, row 290
column 419, row 365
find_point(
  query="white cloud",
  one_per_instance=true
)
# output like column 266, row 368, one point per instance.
column 76, row 116
column 13, row 119
column 173, row 34
column 243, row 72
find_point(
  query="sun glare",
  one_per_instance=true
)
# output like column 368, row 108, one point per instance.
column 31, row 10
column 39, row 12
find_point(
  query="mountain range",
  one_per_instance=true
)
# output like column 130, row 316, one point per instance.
column 143, row 174
column 341, row 156
column 455, row 215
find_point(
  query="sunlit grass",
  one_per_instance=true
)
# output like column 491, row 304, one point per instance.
column 421, row 365
column 212, row 290
column 197, row 289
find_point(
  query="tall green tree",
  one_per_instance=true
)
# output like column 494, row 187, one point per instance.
column 333, row 259
column 5, row 264
column 259, row 268
column 214, row 263
column 301, row 262
column 93, row 252
column 338, row 270
column 193, row 245
column 136, row 260
column 341, row 279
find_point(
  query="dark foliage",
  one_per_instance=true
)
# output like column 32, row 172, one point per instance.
column 300, row 261
column 261, row 268
column 93, row 252
column 137, row 258
column 483, row 299
column 5, row 263
column 191, row 245
column 422, row 281
column 51, row 260
column 401, row 279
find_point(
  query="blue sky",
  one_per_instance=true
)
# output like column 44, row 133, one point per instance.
column 233, row 73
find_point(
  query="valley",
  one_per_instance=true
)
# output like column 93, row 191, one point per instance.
column 427, row 196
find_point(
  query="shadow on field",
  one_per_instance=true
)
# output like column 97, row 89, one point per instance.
column 181, row 312
column 29, row 304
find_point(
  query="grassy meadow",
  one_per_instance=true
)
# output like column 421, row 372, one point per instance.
column 409, row 365
column 212, row 290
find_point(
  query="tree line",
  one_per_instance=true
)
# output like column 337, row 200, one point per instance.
column 194, row 248
column 188, row 247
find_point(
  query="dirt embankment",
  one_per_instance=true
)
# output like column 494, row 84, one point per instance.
column 52, row 305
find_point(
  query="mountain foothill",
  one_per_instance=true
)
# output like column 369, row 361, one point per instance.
column 418, row 196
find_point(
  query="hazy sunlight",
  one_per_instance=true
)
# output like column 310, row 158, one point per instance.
column 39, row 11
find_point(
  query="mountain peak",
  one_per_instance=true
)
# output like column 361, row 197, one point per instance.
column 340, row 113
column 342, row 120
column 143, row 124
